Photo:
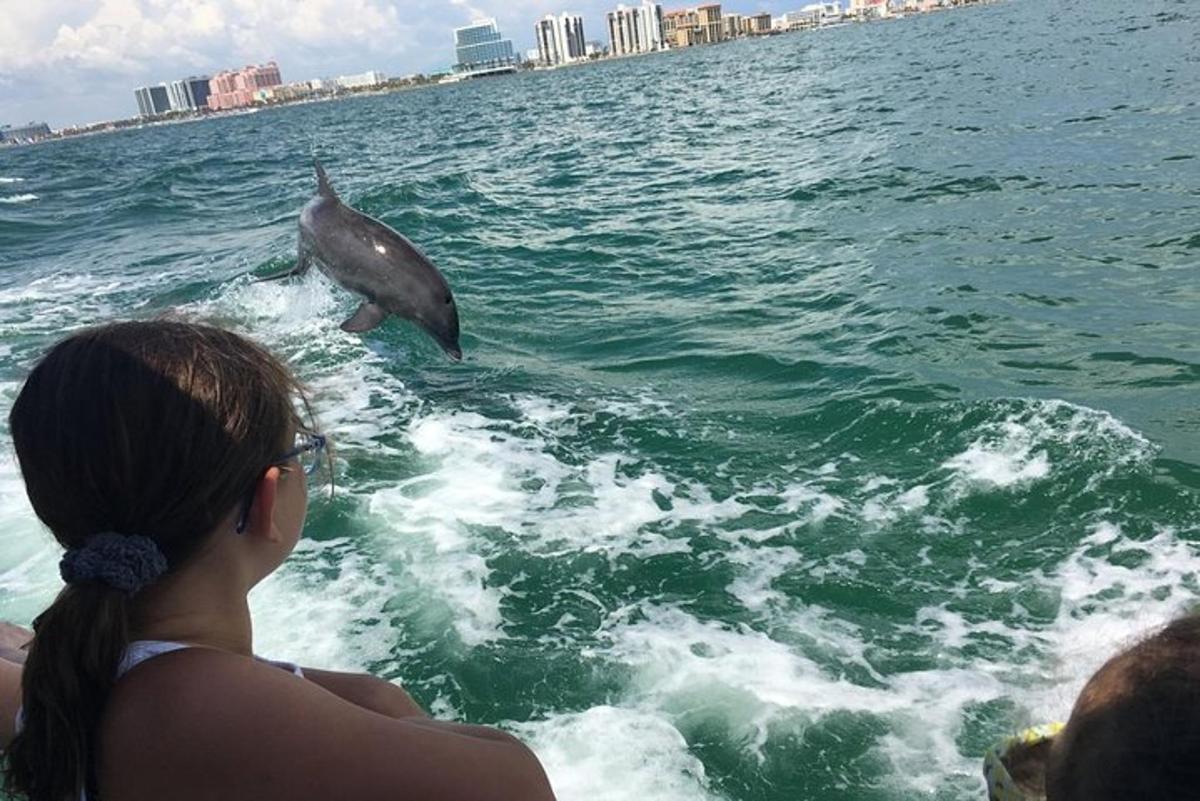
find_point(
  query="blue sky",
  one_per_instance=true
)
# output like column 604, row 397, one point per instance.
column 78, row 61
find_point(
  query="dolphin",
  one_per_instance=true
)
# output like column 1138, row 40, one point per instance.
column 361, row 254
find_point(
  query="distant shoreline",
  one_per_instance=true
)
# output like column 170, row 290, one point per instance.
column 178, row 118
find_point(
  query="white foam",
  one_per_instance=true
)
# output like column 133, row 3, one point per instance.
column 888, row 506
column 482, row 476
column 473, row 480
column 29, row 577
column 760, row 567
column 321, row 605
column 25, row 198
column 922, row 744
column 613, row 754
column 735, row 674
column 545, row 413
column 760, row 687
column 1016, row 451
column 1106, row 607
column 1010, row 461
column 1103, row 534
column 819, row 504
column 4, row 180
column 618, row 512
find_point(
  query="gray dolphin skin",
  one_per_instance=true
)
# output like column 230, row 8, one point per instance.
column 363, row 255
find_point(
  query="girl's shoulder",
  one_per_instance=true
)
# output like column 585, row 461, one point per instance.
column 199, row 723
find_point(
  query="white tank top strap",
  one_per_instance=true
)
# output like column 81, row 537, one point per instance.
column 141, row 650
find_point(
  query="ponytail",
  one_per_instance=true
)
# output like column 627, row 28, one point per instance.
column 72, row 665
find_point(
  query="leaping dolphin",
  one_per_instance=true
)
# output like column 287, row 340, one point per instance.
column 370, row 259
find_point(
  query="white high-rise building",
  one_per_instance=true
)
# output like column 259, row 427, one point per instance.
column 560, row 39
column 177, row 95
column 482, row 50
column 572, row 25
column 636, row 30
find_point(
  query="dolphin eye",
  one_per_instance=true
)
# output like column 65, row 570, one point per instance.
column 449, row 300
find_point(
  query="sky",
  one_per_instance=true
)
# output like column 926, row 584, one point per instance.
column 69, row 62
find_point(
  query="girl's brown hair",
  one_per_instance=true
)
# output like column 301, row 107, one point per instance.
column 159, row 429
column 1135, row 729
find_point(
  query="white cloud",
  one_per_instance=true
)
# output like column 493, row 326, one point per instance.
column 131, row 37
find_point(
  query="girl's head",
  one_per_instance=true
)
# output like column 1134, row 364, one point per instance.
column 1134, row 731
column 157, row 430
column 1135, row 728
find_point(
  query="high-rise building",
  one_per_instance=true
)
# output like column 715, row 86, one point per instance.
column 197, row 88
column 545, row 32
column 142, row 96
column 237, row 89
column 731, row 25
column 560, row 39
column 177, row 93
column 675, row 22
column 757, row 24
column 482, row 50
column 152, row 100
column 572, row 25
column 636, row 30
column 868, row 9
column 188, row 94
column 710, row 22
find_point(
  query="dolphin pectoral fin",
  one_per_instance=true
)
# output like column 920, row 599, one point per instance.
column 367, row 317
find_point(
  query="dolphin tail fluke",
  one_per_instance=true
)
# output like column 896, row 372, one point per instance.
column 367, row 317
column 300, row 268
column 303, row 262
column 323, row 187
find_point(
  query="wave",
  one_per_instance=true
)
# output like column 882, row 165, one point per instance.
column 4, row 180
column 18, row 198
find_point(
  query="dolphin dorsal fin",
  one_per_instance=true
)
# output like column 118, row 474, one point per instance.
column 323, row 187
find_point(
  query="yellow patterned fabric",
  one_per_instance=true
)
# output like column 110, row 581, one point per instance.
column 1001, row 786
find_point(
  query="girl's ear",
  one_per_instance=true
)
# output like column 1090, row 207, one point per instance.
column 260, row 521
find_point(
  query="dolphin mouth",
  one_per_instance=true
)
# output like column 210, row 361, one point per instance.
column 454, row 352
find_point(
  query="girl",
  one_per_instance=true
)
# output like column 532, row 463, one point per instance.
column 170, row 463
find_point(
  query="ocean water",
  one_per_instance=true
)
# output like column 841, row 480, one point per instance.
column 830, row 401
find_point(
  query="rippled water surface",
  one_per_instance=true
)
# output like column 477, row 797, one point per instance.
column 830, row 401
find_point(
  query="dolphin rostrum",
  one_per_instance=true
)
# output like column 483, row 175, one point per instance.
column 376, row 262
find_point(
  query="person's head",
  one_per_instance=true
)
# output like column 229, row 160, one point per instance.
column 1135, row 728
column 167, row 434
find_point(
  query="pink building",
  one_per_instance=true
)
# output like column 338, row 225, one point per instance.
column 236, row 89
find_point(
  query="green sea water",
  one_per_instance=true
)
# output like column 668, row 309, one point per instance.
column 829, row 407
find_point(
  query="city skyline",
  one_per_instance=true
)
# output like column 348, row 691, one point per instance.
column 71, row 66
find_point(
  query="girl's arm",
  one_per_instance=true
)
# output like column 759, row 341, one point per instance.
column 10, row 699
column 249, row 732
column 367, row 692
column 13, row 639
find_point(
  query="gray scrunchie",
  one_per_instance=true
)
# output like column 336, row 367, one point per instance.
column 123, row 562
